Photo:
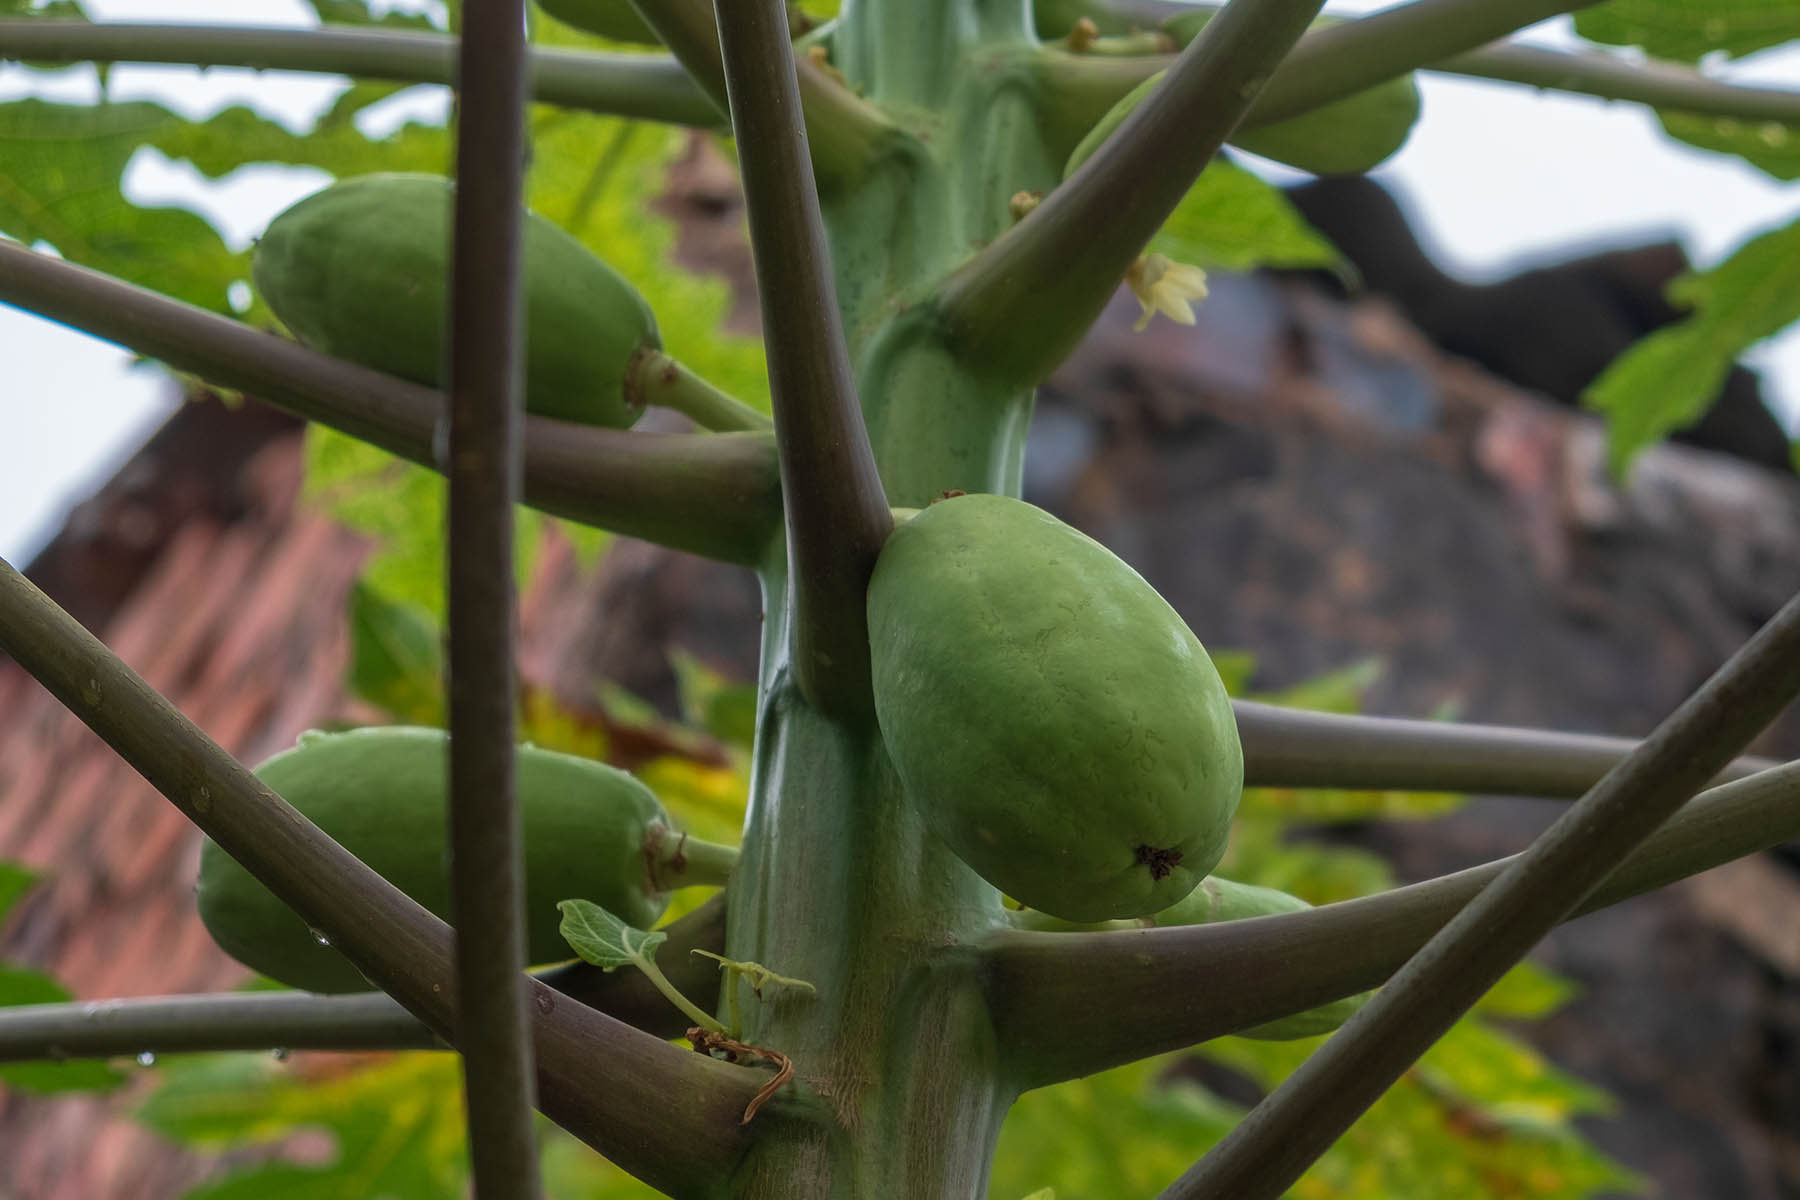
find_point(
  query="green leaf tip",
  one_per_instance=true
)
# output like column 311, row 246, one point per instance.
column 604, row 940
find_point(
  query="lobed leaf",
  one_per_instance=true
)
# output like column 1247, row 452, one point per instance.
column 61, row 169
column 1233, row 220
column 1665, row 381
column 1771, row 146
column 1687, row 30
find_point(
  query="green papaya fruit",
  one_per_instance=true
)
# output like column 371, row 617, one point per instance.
column 1218, row 899
column 614, row 20
column 360, row 270
column 1345, row 137
column 382, row 793
column 1049, row 715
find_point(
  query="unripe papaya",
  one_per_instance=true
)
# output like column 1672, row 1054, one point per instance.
column 360, row 270
column 614, row 20
column 1049, row 715
column 382, row 793
column 1218, row 899
column 1345, row 137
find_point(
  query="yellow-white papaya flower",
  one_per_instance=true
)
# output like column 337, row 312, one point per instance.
column 1164, row 286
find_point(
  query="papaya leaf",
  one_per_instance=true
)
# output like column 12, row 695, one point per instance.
column 358, row 12
column 715, row 702
column 1665, row 381
column 397, row 1125
column 62, row 10
column 1262, row 853
column 1481, row 1115
column 1331, row 806
column 609, row 943
column 602, row 189
column 1771, row 146
column 61, row 166
column 238, row 136
column 708, row 801
column 1236, row 668
column 20, row 986
column 1124, row 1132
column 396, row 658
column 15, row 881
column 1338, row 691
column 1687, row 30
column 399, row 505
column 1527, row 992
column 1235, row 221
column 571, row 1171
column 604, row 940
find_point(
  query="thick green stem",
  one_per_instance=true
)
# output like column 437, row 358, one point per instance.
column 651, row 87
column 712, row 494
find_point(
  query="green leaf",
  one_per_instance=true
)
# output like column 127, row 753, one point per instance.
column 1236, row 668
column 30, row 8
column 1687, row 30
column 238, row 136
column 1527, row 992
column 397, row 1126
column 1339, row 691
column 60, row 171
column 715, row 702
column 1665, row 381
column 1125, row 1132
column 401, row 506
column 1235, row 221
column 15, row 881
column 19, row 986
column 396, row 658
column 358, row 12
column 1511, row 1134
column 601, row 188
column 1773, row 146
column 604, row 940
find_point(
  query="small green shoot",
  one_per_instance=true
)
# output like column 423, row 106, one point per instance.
column 757, row 976
column 609, row 943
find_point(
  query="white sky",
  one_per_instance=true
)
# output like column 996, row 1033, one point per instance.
column 1476, row 175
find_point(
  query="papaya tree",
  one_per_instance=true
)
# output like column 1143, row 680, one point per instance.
column 991, row 771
